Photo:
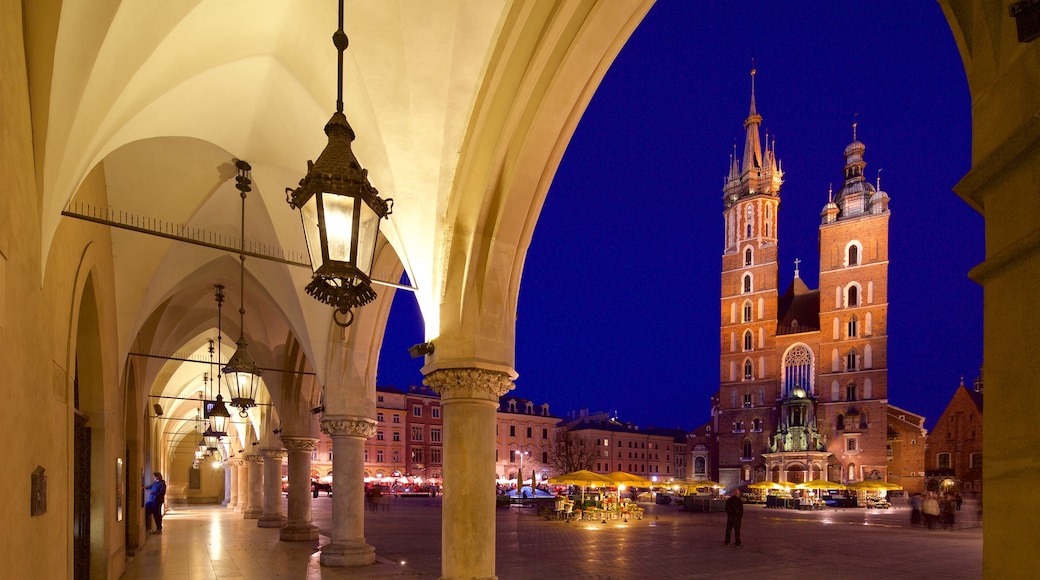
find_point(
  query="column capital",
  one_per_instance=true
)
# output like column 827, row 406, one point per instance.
column 469, row 383
column 300, row 443
column 273, row 453
column 254, row 458
column 343, row 425
column 235, row 462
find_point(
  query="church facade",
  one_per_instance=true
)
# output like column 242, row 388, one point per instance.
column 803, row 391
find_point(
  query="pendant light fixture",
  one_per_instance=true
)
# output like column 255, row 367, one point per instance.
column 341, row 212
column 241, row 373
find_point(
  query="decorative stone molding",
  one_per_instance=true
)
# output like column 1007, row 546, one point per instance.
column 274, row 453
column 236, row 462
column 300, row 443
column 348, row 426
column 469, row 383
column 255, row 458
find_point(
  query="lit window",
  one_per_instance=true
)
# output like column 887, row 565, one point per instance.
column 747, row 399
column 747, row 370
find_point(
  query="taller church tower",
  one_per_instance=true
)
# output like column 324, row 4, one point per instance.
column 751, row 198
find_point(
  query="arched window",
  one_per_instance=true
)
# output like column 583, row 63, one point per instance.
column 840, row 424
column 746, row 451
column 748, row 340
column 853, row 255
column 747, row 283
column 747, row 257
column 798, row 369
column 853, row 327
column 747, row 311
column 850, row 392
column 853, row 296
column 850, row 360
column 747, row 370
column 699, row 465
column 748, row 230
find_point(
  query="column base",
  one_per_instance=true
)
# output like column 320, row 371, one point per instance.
column 298, row 533
column 348, row 554
column 252, row 513
column 270, row 521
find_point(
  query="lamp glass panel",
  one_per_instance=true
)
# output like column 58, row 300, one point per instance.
column 311, row 231
column 339, row 225
column 368, row 232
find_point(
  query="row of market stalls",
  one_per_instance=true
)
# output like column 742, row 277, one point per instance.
column 820, row 493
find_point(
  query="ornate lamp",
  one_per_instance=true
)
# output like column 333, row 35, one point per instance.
column 217, row 412
column 341, row 212
column 241, row 373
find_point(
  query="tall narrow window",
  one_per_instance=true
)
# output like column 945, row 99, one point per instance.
column 747, row 283
column 747, row 257
column 748, row 340
column 747, row 311
column 853, row 327
column 853, row 296
column 853, row 255
column 850, row 392
column 746, row 451
column 840, row 424
column 851, row 360
column 747, row 370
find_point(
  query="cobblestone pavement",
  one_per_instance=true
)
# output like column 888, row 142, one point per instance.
column 666, row 543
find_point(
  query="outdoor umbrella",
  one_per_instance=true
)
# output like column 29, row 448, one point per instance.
column 623, row 477
column 875, row 484
column 820, row 484
column 582, row 478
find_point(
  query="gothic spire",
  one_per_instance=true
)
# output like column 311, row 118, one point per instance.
column 752, row 145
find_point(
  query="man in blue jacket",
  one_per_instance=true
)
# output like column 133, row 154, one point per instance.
column 154, row 505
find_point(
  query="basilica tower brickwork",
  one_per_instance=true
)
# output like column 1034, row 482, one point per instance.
column 803, row 374
column 748, row 387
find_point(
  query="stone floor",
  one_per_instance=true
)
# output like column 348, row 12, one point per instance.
column 213, row 542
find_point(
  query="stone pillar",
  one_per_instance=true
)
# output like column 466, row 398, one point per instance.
column 298, row 526
column 227, row 483
column 470, row 401
column 347, row 545
column 243, row 485
column 255, row 506
column 233, row 467
column 272, row 516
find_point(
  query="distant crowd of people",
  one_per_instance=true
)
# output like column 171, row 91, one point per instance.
column 934, row 510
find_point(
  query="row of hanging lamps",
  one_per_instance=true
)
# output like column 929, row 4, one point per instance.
column 341, row 212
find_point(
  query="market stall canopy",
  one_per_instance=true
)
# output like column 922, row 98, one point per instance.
column 820, row 484
column 630, row 479
column 580, row 477
column 770, row 485
column 706, row 483
column 875, row 484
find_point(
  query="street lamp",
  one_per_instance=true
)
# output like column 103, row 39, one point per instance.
column 341, row 212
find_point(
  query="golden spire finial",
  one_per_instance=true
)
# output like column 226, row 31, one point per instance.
column 855, row 121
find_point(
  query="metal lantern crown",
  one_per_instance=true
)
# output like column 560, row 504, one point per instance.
column 341, row 212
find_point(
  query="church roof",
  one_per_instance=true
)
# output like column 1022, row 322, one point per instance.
column 800, row 305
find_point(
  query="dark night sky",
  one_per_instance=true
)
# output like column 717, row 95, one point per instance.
column 619, row 303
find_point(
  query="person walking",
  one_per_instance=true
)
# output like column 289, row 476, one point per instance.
column 930, row 508
column 153, row 506
column 915, row 509
column 734, row 515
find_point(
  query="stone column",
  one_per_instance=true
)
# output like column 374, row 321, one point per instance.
column 255, row 506
column 233, row 467
column 298, row 526
column 272, row 516
column 347, row 545
column 227, row 483
column 243, row 485
column 470, row 400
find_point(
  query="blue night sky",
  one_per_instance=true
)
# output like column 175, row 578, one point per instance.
column 619, row 303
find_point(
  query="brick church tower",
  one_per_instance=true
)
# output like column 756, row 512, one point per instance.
column 803, row 374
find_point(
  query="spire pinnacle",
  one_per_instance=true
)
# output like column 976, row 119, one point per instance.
column 796, row 262
column 878, row 188
column 855, row 121
column 830, row 193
